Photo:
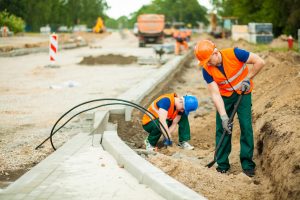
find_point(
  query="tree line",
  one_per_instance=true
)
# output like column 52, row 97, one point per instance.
column 37, row 13
column 284, row 15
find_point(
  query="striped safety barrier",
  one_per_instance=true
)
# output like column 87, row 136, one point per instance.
column 53, row 47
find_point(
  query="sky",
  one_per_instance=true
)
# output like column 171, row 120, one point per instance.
column 126, row 7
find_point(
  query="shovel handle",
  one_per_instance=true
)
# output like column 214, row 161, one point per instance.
column 236, row 105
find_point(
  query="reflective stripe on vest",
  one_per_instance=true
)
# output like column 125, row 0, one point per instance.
column 235, row 76
column 153, row 107
column 237, row 86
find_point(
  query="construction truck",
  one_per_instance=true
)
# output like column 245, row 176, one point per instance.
column 99, row 27
column 150, row 29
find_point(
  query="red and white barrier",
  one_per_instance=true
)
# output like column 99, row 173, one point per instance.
column 53, row 47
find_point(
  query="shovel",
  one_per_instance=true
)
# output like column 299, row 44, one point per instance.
column 236, row 105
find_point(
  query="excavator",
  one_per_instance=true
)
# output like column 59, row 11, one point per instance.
column 99, row 27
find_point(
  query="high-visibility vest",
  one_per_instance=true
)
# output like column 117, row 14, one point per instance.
column 235, row 70
column 153, row 108
column 180, row 34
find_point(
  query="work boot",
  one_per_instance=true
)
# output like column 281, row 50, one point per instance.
column 249, row 172
column 149, row 147
column 222, row 171
column 185, row 145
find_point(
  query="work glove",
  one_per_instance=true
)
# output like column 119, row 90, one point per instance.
column 167, row 142
column 226, row 125
column 246, row 84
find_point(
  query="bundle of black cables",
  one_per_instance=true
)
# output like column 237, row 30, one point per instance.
column 117, row 102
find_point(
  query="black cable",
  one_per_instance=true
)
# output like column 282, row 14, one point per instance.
column 108, row 104
column 95, row 100
column 128, row 103
column 52, row 133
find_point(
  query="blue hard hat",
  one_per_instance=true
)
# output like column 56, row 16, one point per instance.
column 190, row 103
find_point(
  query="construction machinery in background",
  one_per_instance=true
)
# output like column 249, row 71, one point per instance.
column 150, row 29
column 220, row 27
column 215, row 30
column 99, row 27
column 227, row 23
column 172, row 27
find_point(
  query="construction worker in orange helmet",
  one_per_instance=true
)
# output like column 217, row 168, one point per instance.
column 227, row 75
column 181, row 40
column 169, row 110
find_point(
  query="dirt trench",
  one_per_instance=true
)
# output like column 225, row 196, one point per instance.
column 276, row 129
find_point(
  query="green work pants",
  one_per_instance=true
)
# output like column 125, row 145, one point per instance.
column 154, row 131
column 246, row 137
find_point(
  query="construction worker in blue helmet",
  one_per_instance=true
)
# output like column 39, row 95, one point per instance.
column 169, row 110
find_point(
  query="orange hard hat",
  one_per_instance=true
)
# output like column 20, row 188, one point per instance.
column 203, row 50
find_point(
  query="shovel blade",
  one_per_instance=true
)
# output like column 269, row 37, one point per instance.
column 209, row 165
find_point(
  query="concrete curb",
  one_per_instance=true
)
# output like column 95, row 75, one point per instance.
column 24, row 51
column 145, row 172
column 42, row 170
column 45, row 168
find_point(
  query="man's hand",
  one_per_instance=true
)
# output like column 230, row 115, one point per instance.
column 246, row 84
column 167, row 142
column 225, row 123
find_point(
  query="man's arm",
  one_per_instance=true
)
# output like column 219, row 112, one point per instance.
column 163, row 114
column 216, row 97
column 174, row 124
column 219, row 103
column 257, row 62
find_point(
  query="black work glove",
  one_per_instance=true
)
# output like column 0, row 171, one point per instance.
column 226, row 125
column 246, row 84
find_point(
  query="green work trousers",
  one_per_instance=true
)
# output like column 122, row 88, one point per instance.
column 154, row 131
column 246, row 137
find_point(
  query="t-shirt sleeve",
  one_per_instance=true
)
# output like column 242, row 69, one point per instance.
column 164, row 103
column 208, row 78
column 241, row 54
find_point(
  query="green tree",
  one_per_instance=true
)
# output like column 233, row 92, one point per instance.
column 14, row 23
column 187, row 11
column 37, row 13
column 284, row 15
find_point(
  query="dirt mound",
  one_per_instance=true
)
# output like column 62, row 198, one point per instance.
column 108, row 59
column 277, row 123
column 204, row 180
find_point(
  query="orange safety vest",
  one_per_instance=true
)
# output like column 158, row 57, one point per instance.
column 235, row 70
column 180, row 34
column 153, row 108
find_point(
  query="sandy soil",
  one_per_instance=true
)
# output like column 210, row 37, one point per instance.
column 276, row 125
